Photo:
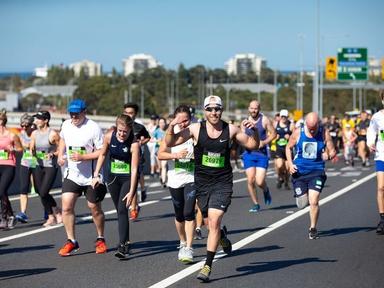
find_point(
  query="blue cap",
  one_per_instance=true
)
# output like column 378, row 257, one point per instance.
column 76, row 106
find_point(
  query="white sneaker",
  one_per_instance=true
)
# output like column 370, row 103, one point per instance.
column 187, row 255
column 181, row 250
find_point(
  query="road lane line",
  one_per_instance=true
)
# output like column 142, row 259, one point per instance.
column 196, row 267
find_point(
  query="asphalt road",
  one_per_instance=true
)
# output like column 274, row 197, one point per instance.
column 270, row 248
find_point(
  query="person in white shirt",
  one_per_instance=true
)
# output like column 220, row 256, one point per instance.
column 375, row 142
column 82, row 140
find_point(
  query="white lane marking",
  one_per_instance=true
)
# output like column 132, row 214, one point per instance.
column 196, row 267
column 85, row 218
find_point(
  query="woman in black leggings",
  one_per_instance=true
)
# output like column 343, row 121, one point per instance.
column 124, row 151
column 181, row 186
column 44, row 142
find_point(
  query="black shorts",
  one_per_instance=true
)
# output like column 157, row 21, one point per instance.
column 312, row 181
column 92, row 195
column 280, row 152
column 213, row 194
column 25, row 179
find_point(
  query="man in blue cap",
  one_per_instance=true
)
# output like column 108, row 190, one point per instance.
column 80, row 144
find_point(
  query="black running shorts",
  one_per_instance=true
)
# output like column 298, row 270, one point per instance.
column 92, row 195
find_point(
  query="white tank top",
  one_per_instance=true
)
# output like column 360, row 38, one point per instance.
column 181, row 171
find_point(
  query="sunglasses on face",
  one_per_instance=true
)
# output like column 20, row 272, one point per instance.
column 24, row 126
column 74, row 115
column 210, row 109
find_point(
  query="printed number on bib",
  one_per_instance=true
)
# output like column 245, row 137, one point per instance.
column 214, row 160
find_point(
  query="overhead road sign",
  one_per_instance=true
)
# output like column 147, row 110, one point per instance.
column 352, row 64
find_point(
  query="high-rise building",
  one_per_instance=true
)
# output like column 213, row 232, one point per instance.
column 41, row 72
column 243, row 63
column 89, row 68
column 138, row 63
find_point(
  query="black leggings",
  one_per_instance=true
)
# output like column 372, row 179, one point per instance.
column 7, row 174
column 25, row 179
column 43, row 178
column 184, row 199
column 118, row 187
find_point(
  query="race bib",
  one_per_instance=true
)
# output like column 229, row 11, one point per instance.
column 78, row 150
column 333, row 134
column 184, row 165
column 120, row 167
column 3, row 155
column 282, row 142
column 28, row 159
column 42, row 155
column 214, row 160
column 309, row 150
column 381, row 135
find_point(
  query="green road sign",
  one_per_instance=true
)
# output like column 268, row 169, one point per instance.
column 352, row 64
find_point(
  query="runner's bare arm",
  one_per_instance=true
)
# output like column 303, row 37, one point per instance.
column 172, row 139
column 249, row 142
column 288, row 150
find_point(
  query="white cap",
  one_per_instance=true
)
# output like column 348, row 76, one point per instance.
column 212, row 99
column 283, row 112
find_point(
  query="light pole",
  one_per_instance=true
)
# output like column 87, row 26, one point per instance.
column 300, row 84
column 315, row 97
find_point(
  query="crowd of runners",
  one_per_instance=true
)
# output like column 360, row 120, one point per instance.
column 194, row 158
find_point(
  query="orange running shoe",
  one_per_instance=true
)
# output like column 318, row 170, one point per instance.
column 69, row 248
column 100, row 246
column 134, row 213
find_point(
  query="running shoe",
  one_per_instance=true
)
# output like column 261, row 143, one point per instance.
column 11, row 222
column 187, row 255
column 22, row 217
column 50, row 222
column 134, row 213
column 123, row 251
column 313, row 234
column 380, row 228
column 255, row 208
column 204, row 273
column 224, row 241
column 267, row 197
column 198, row 235
column 100, row 246
column 181, row 247
column 69, row 248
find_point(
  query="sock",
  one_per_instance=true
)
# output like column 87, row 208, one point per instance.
column 210, row 256
column 382, row 216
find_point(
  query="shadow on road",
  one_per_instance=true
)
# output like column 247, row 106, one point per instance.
column 25, row 249
column 260, row 267
column 12, row 274
column 342, row 231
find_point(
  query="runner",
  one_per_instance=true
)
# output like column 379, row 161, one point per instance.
column 349, row 138
column 313, row 145
column 123, row 163
column 44, row 142
column 256, row 161
column 9, row 144
column 158, row 134
column 213, row 172
column 27, row 164
column 82, row 140
column 375, row 142
column 284, row 129
column 142, row 136
column 151, row 127
column 181, row 185
column 361, row 130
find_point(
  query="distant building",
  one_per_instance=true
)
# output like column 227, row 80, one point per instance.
column 243, row 63
column 41, row 72
column 138, row 63
column 9, row 100
column 374, row 67
column 89, row 68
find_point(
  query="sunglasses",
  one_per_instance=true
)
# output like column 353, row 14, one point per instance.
column 74, row 115
column 25, row 126
column 210, row 109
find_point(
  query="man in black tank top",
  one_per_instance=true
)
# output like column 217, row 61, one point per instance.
column 213, row 172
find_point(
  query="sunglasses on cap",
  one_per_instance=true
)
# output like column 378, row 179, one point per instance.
column 210, row 109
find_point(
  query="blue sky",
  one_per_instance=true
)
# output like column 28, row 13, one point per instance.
column 38, row 32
